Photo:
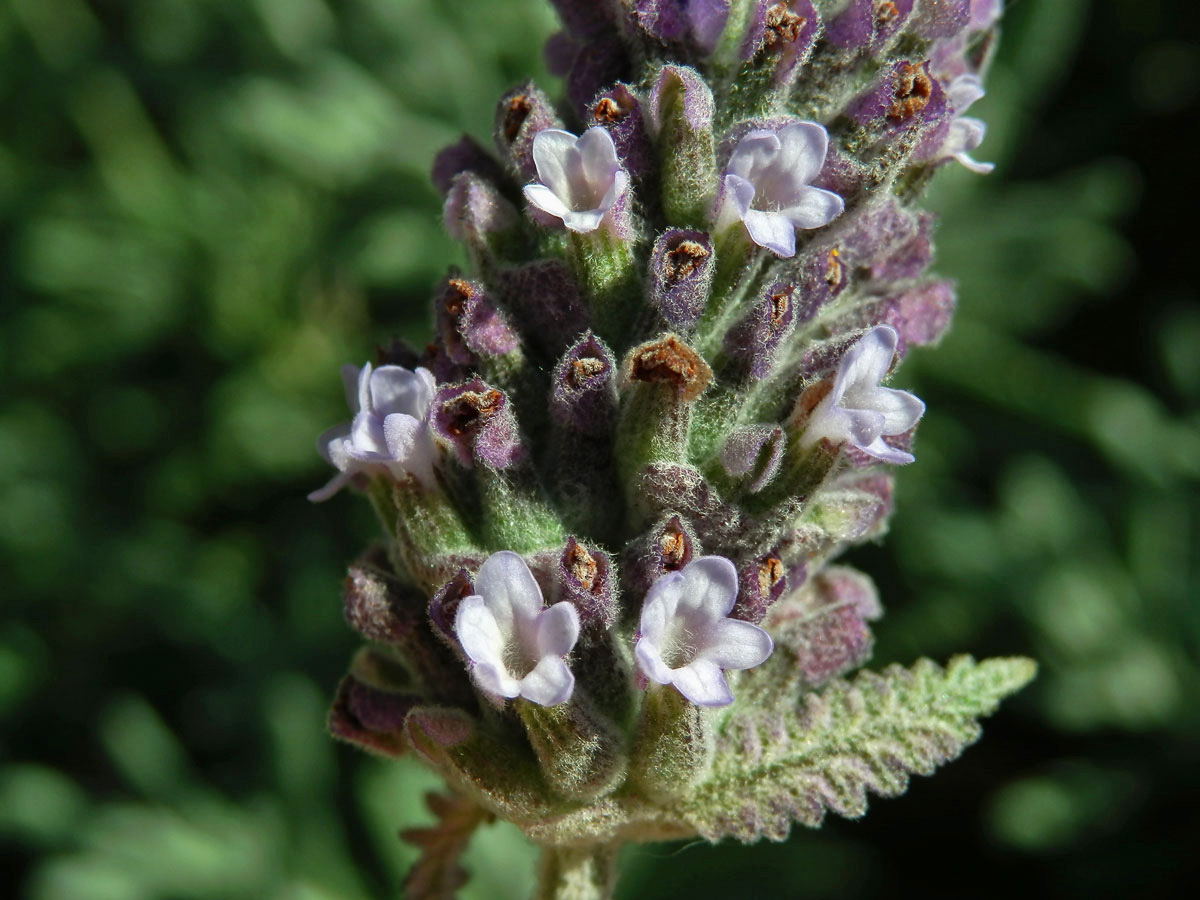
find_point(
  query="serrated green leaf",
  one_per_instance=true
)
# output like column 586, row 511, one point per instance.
column 870, row 734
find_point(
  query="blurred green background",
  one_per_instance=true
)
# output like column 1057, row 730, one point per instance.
column 206, row 206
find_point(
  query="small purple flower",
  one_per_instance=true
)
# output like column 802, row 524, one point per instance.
column 965, row 133
column 767, row 185
column 686, row 637
column 579, row 178
column 516, row 645
column 857, row 410
column 389, row 431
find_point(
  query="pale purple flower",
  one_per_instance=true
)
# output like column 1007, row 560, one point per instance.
column 686, row 637
column 767, row 187
column 857, row 410
column 965, row 133
column 516, row 645
column 389, row 431
column 579, row 178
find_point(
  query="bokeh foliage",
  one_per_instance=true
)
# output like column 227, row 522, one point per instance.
column 206, row 206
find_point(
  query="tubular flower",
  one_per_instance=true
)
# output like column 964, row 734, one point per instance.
column 516, row 645
column 857, row 410
column 389, row 431
column 766, row 185
column 966, row 133
column 579, row 178
column 686, row 637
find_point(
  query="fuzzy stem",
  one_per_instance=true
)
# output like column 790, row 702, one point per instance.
column 577, row 873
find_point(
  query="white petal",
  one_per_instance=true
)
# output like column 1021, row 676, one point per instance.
column 650, row 661
column 867, row 361
column 963, row 91
column 703, row 683
column 659, row 606
column 364, row 389
column 400, row 435
column 803, row 148
column 710, row 586
column 557, row 630
column 550, row 683
column 753, row 154
column 508, row 588
column 366, row 440
column 546, row 200
column 860, row 427
column 395, row 389
column 552, row 152
column 816, row 207
column 738, row 195
column 598, row 154
column 737, row 645
column 584, row 222
column 965, row 134
column 495, row 679
column 901, row 410
column 882, row 451
column 335, row 484
column 979, row 168
column 771, row 230
column 478, row 631
column 329, row 445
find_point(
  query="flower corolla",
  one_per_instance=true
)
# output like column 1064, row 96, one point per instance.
column 857, row 410
column 766, row 185
column 966, row 133
column 515, row 644
column 389, row 431
column 579, row 178
column 686, row 637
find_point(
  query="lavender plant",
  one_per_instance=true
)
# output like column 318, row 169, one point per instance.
column 613, row 489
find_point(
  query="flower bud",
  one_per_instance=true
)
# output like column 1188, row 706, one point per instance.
column 666, row 547
column 545, row 296
column 370, row 718
column 753, row 454
column 474, row 421
column 586, row 581
column 824, row 626
column 618, row 111
column 465, row 156
column 779, row 40
column 681, row 119
column 752, row 342
column 681, row 272
column 474, row 333
column 583, row 395
column 523, row 113
column 869, row 26
column 478, row 215
column 761, row 582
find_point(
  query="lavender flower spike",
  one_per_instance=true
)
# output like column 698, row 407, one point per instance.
column 516, row 646
column 766, row 186
column 579, row 178
column 686, row 637
column 860, row 412
column 389, row 431
column 965, row 133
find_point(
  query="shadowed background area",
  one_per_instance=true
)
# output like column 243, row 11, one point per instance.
column 207, row 206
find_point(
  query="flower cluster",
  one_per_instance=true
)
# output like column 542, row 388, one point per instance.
column 655, row 412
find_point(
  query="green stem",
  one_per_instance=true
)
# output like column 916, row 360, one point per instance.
column 577, row 873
